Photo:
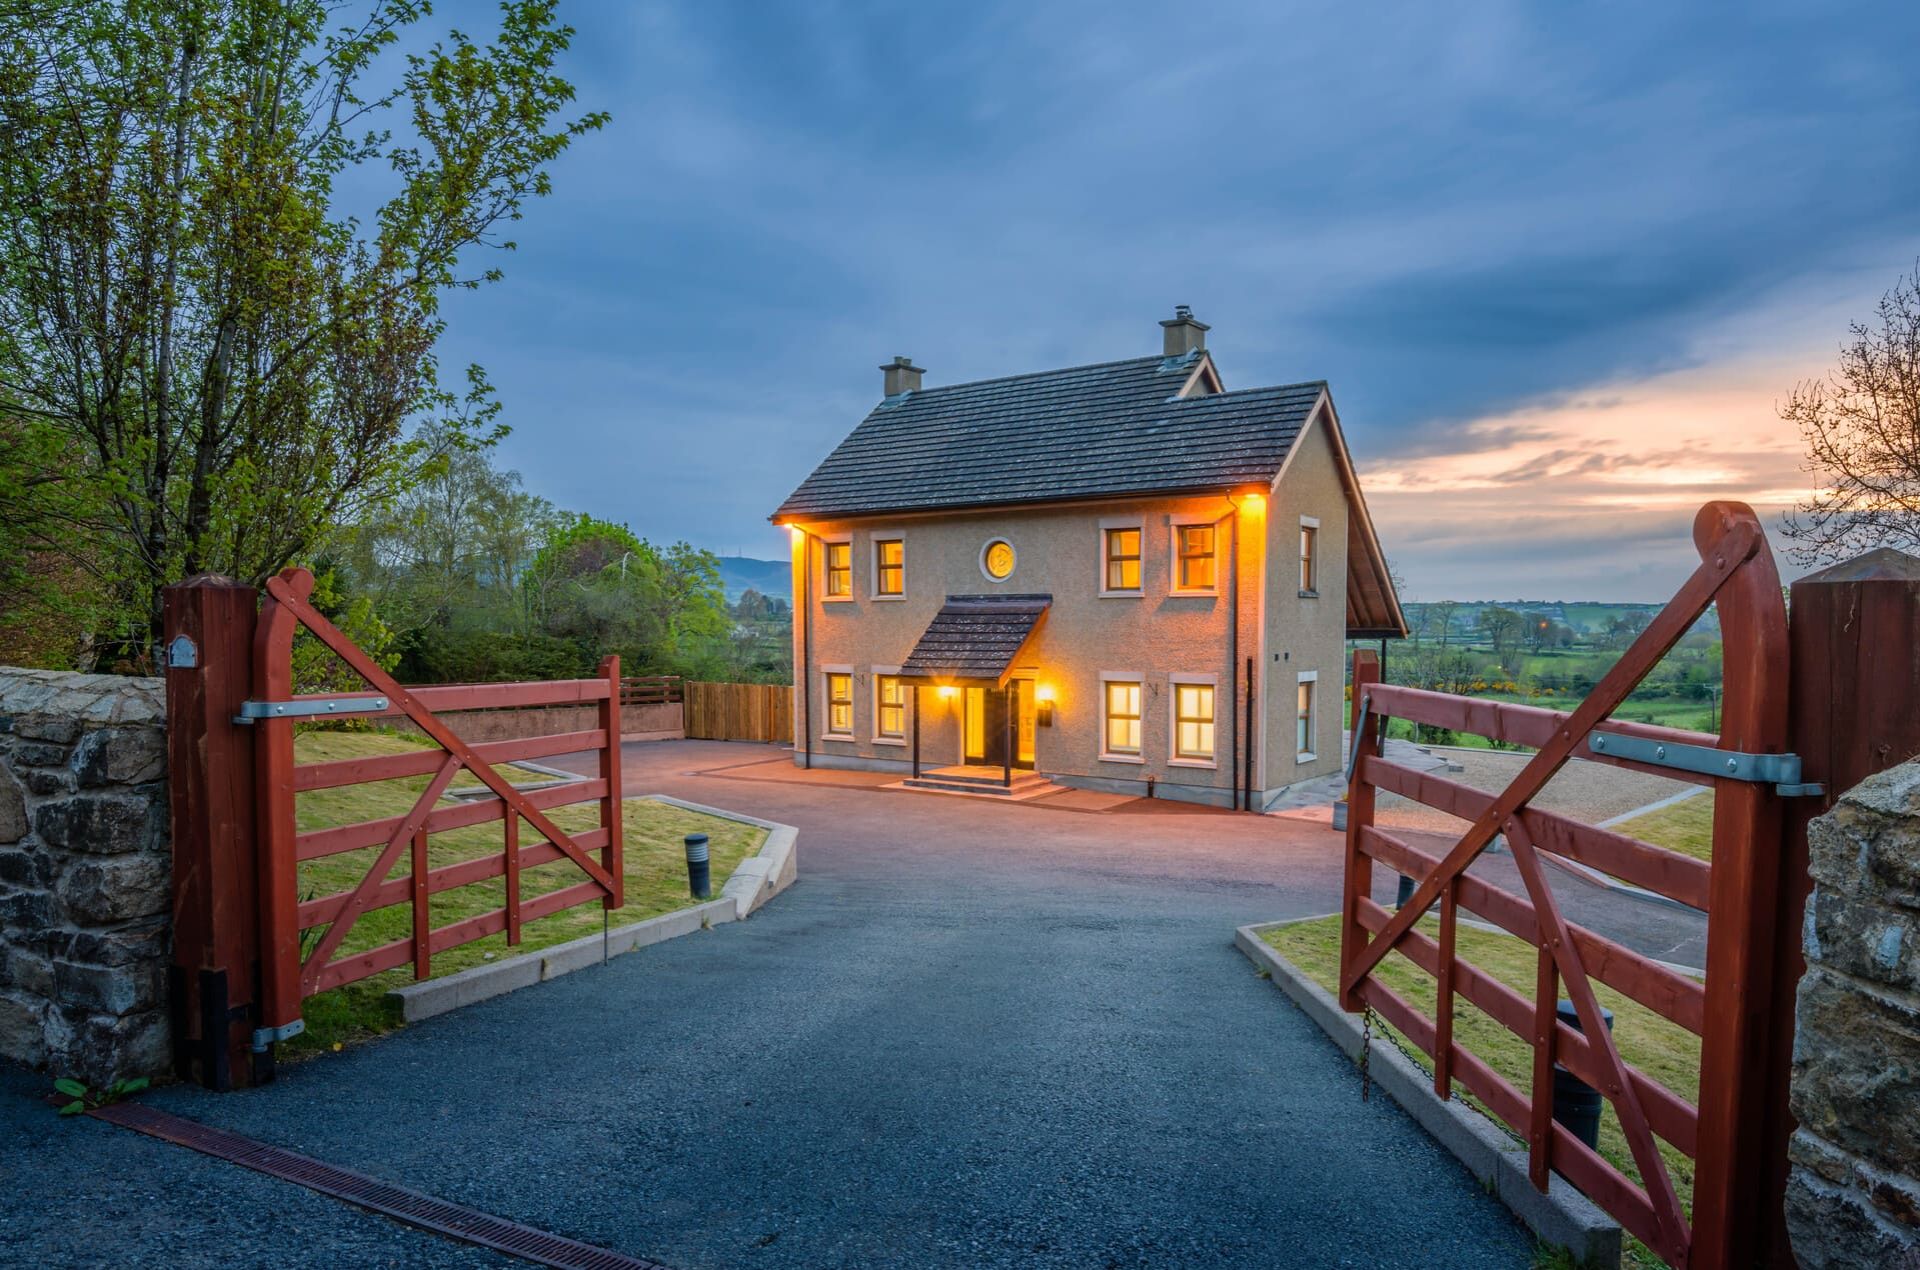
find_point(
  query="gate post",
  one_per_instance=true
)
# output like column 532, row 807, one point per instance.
column 1855, row 702
column 1358, row 875
column 209, row 624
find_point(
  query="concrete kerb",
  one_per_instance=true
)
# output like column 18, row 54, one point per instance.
column 1562, row 1217
column 753, row 882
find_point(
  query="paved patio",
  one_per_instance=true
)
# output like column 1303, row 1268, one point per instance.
column 972, row 1034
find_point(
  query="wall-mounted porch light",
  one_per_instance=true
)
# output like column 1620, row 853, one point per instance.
column 946, row 691
column 1043, row 698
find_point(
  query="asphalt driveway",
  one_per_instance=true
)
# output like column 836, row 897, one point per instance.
column 971, row 1035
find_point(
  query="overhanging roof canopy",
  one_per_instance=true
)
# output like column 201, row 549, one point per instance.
column 976, row 637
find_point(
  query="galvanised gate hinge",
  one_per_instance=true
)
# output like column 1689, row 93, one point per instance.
column 1782, row 771
column 252, row 711
column 265, row 1036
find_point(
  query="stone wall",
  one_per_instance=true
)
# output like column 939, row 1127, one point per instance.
column 1853, row 1196
column 85, row 874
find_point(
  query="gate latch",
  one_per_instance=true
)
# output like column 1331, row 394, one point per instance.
column 1782, row 771
column 265, row 1036
column 250, row 711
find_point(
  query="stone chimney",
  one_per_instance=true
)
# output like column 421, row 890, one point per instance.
column 902, row 376
column 1184, row 332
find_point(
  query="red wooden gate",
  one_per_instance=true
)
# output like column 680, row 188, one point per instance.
column 1731, row 1012
column 287, row 977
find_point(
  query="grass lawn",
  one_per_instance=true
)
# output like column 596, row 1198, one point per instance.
column 656, row 878
column 1686, row 827
column 1664, row 1051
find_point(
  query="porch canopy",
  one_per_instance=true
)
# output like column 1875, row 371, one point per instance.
column 976, row 638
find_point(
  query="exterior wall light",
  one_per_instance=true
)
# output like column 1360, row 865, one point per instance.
column 946, row 692
column 1043, row 698
column 799, row 534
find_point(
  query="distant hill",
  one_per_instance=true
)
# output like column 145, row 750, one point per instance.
column 768, row 577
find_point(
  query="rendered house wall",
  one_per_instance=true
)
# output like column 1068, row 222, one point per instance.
column 1305, row 634
column 1083, row 634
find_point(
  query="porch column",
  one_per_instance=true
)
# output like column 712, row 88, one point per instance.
column 916, row 731
column 1006, row 752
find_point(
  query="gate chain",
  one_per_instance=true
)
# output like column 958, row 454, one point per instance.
column 1366, row 1053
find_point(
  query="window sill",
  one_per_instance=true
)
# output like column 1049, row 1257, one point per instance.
column 1193, row 762
column 836, row 599
column 1122, row 758
column 879, row 599
column 1309, row 595
column 1305, row 757
column 1123, row 595
column 1180, row 594
column 889, row 740
column 845, row 738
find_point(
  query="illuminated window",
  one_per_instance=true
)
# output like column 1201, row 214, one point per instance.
column 840, row 703
column 839, row 570
column 890, row 707
column 1194, row 563
column 889, row 567
column 1309, row 536
column 997, row 559
column 1303, row 719
column 1123, row 559
column 1193, row 721
column 1122, row 707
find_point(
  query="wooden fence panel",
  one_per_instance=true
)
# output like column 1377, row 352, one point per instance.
column 739, row 712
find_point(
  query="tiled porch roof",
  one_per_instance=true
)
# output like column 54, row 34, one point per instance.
column 975, row 637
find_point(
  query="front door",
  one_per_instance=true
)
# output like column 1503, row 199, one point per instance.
column 1025, row 711
column 984, row 729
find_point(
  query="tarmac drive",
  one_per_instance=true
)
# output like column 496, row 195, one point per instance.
column 971, row 1034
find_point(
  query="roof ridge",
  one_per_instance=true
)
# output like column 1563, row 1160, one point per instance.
column 1033, row 374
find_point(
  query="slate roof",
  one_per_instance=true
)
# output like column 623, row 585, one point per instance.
column 1084, row 432
column 975, row 637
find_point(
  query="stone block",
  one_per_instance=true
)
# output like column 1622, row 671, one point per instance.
column 120, row 756
column 29, row 867
column 117, row 890
column 111, row 990
column 129, row 945
column 102, row 824
column 1866, row 940
column 23, row 1030
column 26, row 971
column 58, row 726
column 46, row 782
column 13, row 807
column 1856, row 1071
column 27, row 909
column 1835, row 1227
column 39, row 754
column 106, row 1049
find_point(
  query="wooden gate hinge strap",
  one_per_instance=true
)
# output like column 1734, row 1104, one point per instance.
column 307, row 707
column 1782, row 771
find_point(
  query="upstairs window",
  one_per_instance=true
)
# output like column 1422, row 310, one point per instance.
column 1122, row 707
column 1309, row 544
column 839, row 565
column 1194, row 558
column 1123, row 559
column 890, row 708
column 840, row 703
column 1193, row 721
column 889, row 566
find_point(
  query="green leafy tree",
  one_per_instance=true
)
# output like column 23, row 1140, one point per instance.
column 219, row 361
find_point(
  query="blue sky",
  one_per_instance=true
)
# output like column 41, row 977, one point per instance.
column 1556, row 263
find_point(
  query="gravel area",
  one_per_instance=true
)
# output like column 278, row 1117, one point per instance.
column 1587, row 792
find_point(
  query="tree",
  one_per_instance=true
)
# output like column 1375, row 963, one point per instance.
column 1502, row 627
column 225, row 362
column 1861, row 426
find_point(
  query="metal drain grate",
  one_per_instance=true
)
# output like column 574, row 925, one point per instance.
column 455, row 1221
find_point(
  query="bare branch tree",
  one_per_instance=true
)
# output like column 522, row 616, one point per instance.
column 1861, row 425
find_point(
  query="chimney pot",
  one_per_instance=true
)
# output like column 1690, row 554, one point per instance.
column 1183, row 333
column 902, row 376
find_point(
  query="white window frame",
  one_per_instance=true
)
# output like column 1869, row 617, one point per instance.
column 825, row 541
column 1174, row 757
column 1310, row 561
column 1139, row 681
column 1174, row 525
column 874, row 539
column 826, row 701
column 906, row 706
column 1313, row 714
column 1107, row 525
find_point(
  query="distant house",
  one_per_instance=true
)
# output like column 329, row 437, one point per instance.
column 1087, row 574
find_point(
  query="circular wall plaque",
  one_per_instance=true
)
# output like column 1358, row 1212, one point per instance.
column 997, row 559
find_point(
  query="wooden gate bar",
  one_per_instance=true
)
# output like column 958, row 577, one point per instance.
column 1546, row 997
column 1443, row 993
column 611, row 808
column 1365, row 734
column 422, row 914
column 316, row 843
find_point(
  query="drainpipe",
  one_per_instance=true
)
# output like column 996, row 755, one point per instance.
column 806, row 646
column 1233, row 647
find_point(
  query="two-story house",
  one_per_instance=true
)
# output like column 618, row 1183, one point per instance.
column 1121, row 577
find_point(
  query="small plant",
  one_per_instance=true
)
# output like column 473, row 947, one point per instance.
column 84, row 1097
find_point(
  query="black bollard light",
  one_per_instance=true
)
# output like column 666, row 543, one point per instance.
column 1576, row 1104
column 1406, row 891
column 699, row 868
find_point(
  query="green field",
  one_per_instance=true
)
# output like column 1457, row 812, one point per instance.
column 656, row 880
column 1686, row 827
column 1664, row 1051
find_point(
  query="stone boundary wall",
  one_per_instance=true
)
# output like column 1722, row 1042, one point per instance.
column 647, row 723
column 86, row 873
column 1853, row 1192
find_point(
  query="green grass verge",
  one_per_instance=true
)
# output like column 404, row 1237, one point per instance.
column 1664, row 1051
column 1685, row 827
column 656, row 878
